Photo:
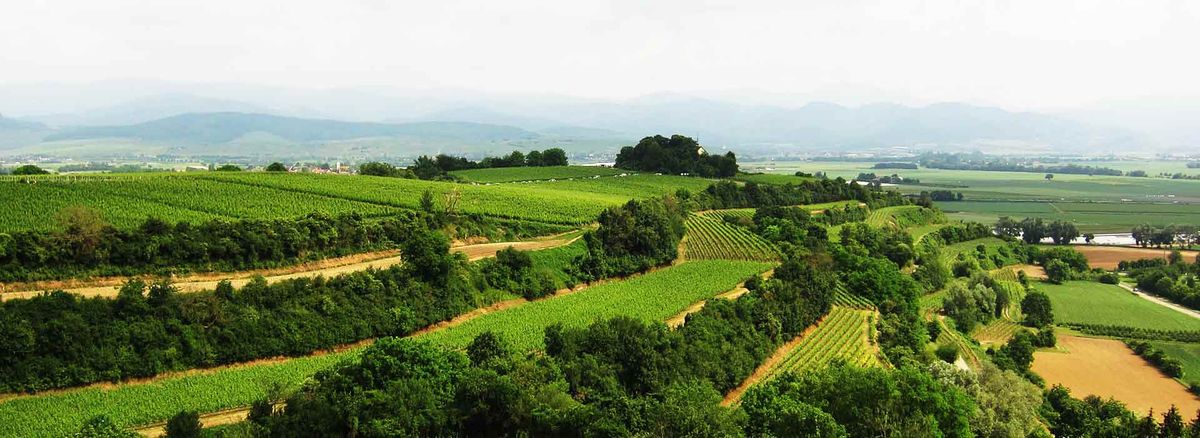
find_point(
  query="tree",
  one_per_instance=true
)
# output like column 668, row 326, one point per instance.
column 554, row 157
column 1089, row 237
column 83, row 230
column 185, row 424
column 1049, row 176
column 534, row 158
column 228, row 168
column 426, row 168
column 1057, row 271
column 487, row 347
column 1175, row 257
column 1172, row 425
column 376, row 168
column 1037, row 309
column 30, row 169
column 276, row 167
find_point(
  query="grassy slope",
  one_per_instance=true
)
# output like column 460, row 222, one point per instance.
column 1096, row 303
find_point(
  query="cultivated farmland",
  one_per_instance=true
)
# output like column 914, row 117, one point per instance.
column 713, row 239
column 845, row 334
column 1084, row 302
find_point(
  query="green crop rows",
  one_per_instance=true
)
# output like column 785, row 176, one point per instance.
column 712, row 239
column 653, row 297
column 1085, row 302
column 848, row 300
column 61, row 414
column 844, row 334
column 510, row 174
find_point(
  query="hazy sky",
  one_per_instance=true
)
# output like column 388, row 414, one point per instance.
column 1020, row 54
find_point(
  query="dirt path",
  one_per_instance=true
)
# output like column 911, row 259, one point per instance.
column 330, row 267
column 1107, row 368
column 732, row 294
column 1161, row 301
column 211, row 419
column 765, row 368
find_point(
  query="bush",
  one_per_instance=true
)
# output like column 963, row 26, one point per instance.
column 185, row 424
column 1037, row 309
column 947, row 352
column 1109, row 278
column 1045, row 338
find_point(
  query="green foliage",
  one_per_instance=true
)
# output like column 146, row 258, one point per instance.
column 185, row 424
column 947, row 352
column 1038, row 309
column 102, row 427
column 873, row 401
column 786, row 416
column 375, row 168
column 1168, row 365
column 970, row 306
column 29, row 169
column 276, row 167
column 710, row 239
column 512, row 174
column 844, row 336
column 633, row 238
column 227, row 168
column 1090, row 303
column 674, row 156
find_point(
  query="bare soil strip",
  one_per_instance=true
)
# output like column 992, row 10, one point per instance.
column 211, row 419
column 1107, row 257
column 732, row 294
column 1031, row 271
column 107, row 287
column 1107, row 368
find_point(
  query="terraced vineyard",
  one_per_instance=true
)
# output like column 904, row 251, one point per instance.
column 846, row 334
column 655, row 296
column 849, row 300
column 713, row 239
column 997, row 332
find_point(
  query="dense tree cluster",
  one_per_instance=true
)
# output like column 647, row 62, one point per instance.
column 88, row 246
column 728, row 194
column 1170, row 235
column 676, row 156
column 1177, row 281
column 425, row 167
column 29, row 169
column 60, row 339
column 1093, row 416
column 1033, row 230
column 632, row 238
column 375, row 168
column 885, row 179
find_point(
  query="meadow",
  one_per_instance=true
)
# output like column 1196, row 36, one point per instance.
column 655, row 296
column 1084, row 302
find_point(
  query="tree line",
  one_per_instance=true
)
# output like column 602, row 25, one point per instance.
column 1183, row 235
column 440, row 165
column 1033, row 230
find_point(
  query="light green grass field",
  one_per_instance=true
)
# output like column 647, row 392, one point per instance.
column 509, row 174
column 1087, row 216
column 1086, row 302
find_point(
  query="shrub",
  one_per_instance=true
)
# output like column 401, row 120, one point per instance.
column 947, row 352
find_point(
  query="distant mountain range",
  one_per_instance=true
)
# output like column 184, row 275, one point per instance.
column 185, row 124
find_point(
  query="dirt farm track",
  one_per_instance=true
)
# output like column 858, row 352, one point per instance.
column 1107, row 368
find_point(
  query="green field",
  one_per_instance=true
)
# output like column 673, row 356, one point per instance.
column 845, row 334
column 61, row 413
column 709, row 238
column 1084, row 302
column 773, row 178
column 1094, row 203
column 653, row 297
column 126, row 200
column 509, row 174
column 1187, row 354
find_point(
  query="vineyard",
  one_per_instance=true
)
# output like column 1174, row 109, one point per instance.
column 127, row 200
column 749, row 212
column 511, row 174
column 845, row 334
column 712, row 239
column 60, row 414
column 655, row 296
column 851, row 301
column 904, row 216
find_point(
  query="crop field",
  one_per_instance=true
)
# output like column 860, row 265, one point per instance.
column 712, row 239
column 773, row 178
column 749, row 212
column 997, row 332
column 61, row 414
column 510, row 174
column 126, row 201
column 901, row 216
column 1094, row 203
column 1083, row 302
column 1107, row 368
column 1109, row 257
column 622, row 187
column 1187, row 354
column 845, row 334
column 848, row 300
column 1094, row 217
column 655, row 296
